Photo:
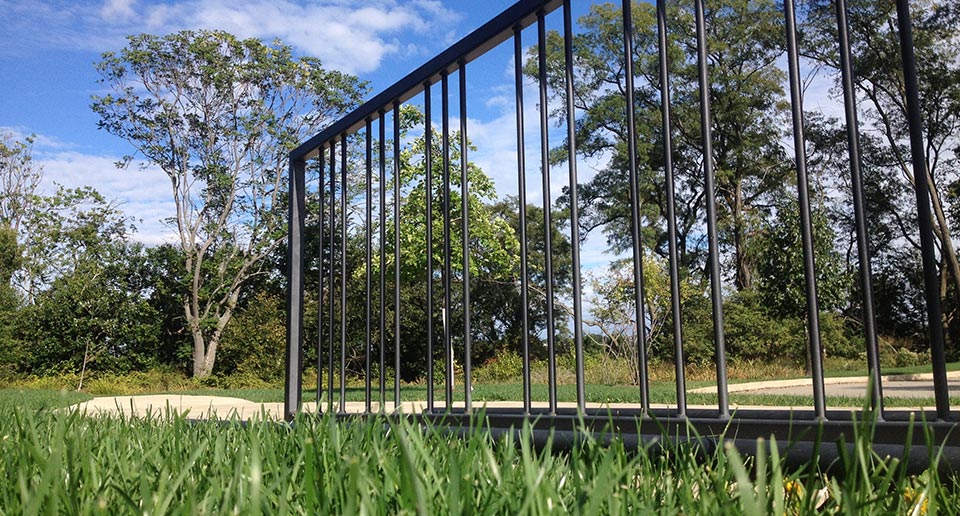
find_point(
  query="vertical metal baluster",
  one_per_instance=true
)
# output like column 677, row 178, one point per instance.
column 635, row 208
column 859, row 208
column 928, row 247
column 522, row 196
column 332, row 251
column 709, row 180
column 296, row 217
column 396, row 256
column 465, row 215
column 806, row 227
column 321, row 194
column 574, row 200
column 547, row 215
column 447, row 268
column 367, row 263
column 343, row 274
column 383, row 260
column 671, row 195
column 428, row 170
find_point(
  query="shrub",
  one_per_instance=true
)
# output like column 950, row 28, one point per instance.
column 505, row 366
column 254, row 342
column 752, row 332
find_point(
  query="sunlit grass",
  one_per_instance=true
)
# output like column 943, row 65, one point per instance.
column 39, row 399
column 64, row 463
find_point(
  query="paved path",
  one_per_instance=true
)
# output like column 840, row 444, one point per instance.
column 897, row 386
column 199, row 407
column 893, row 389
column 217, row 407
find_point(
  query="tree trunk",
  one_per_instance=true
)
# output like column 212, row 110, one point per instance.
column 199, row 351
column 744, row 278
column 204, row 354
column 948, row 251
column 205, row 346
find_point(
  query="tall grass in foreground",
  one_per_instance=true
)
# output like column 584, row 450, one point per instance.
column 65, row 463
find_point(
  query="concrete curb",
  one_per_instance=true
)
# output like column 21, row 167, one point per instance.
column 801, row 382
column 165, row 407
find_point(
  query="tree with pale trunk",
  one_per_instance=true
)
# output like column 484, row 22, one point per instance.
column 219, row 115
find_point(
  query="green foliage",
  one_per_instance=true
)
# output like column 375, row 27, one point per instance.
column 19, row 178
column 758, row 331
column 10, row 261
column 505, row 366
column 94, row 317
column 744, row 38
column 889, row 167
column 493, row 246
column 781, row 283
column 63, row 230
column 254, row 344
column 614, row 308
column 10, row 347
column 753, row 332
column 219, row 116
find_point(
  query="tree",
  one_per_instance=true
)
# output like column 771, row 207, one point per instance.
column 219, row 115
column 493, row 246
column 63, row 229
column 507, row 309
column 781, row 283
column 10, row 347
column 95, row 316
column 744, row 39
column 879, row 86
column 614, row 308
column 19, row 178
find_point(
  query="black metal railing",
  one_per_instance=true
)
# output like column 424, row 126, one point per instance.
column 321, row 152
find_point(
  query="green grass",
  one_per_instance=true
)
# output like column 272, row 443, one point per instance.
column 39, row 399
column 863, row 371
column 57, row 463
column 661, row 392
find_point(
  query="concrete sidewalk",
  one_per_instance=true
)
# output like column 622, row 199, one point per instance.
column 224, row 408
column 218, row 407
column 194, row 407
column 898, row 386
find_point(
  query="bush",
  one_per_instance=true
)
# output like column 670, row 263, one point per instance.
column 753, row 333
column 254, row 343
column 839, row 338
column 94, row 318
column 505, row 366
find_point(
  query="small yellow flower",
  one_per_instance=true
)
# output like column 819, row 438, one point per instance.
column 793, row 489
column 916, row 500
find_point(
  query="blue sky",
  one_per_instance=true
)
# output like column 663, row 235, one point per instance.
column 48, row 49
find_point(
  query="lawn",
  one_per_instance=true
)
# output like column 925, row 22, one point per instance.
column 39, row 399
column 63, row 463
column 660, row 393
column 49, row 392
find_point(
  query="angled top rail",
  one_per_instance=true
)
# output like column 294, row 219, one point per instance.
column 489, row 35
column 442, row 328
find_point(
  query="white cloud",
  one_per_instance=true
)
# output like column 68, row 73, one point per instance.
column 142, row 194
column 351, row 36
column 118, row 10
column 39, row 140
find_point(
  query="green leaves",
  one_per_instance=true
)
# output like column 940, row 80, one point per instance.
column 219, row 115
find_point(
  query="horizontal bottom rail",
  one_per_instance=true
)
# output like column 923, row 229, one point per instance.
column 914, row 438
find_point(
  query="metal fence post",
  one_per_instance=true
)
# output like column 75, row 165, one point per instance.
column 294, row 362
